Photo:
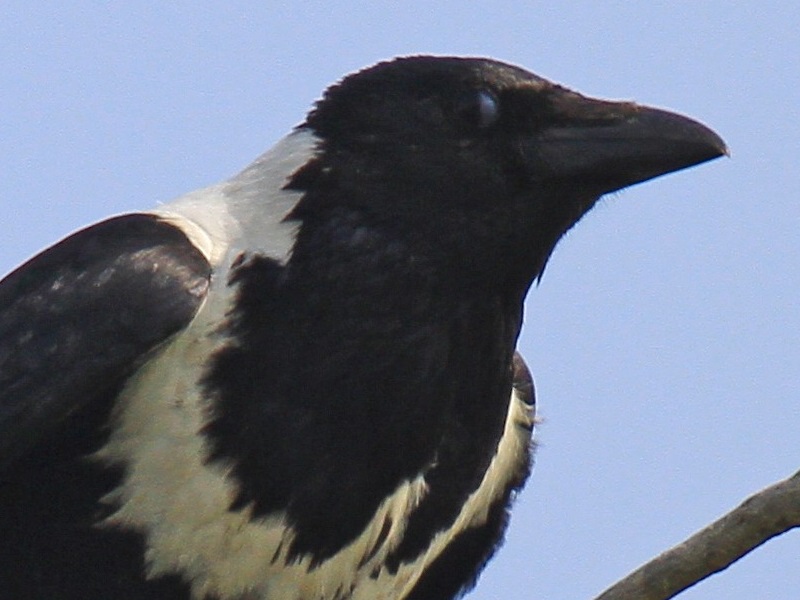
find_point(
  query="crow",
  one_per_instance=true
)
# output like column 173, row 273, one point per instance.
column 302, row 383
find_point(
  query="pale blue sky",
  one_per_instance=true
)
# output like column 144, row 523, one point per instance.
column 665, row 336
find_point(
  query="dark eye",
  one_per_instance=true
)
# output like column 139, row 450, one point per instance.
column 481, row 108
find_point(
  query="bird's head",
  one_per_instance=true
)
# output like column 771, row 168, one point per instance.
column 483, row 161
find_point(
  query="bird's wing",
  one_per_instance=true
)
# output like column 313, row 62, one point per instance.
column 77, row 319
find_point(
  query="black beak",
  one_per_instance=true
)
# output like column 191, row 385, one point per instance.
column 610, row 145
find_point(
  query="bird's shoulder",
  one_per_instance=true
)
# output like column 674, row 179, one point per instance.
column 76, row 319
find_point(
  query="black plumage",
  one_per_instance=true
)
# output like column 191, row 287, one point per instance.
column 302, row 383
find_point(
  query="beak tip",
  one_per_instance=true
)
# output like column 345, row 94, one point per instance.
column 716, row 142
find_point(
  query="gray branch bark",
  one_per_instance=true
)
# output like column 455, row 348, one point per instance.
column 762, row 516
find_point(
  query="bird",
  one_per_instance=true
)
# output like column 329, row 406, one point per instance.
column 302, row 383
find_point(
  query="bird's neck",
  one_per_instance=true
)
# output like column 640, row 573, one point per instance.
column 355, row 355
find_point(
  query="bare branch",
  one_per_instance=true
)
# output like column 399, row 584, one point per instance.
column 762, row 516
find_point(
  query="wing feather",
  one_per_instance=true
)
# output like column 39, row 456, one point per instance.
column 77, row 319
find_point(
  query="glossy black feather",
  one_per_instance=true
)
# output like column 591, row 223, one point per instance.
column 457, row 568
column 328, row 400
column 75, row 322
column 131, row 280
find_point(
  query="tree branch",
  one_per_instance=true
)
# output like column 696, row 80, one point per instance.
column 762, row 516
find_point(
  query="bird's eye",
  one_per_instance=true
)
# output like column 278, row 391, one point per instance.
column 481, row 109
